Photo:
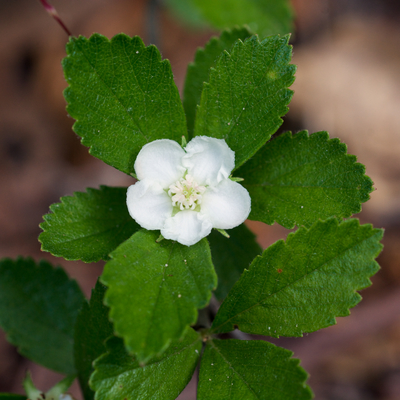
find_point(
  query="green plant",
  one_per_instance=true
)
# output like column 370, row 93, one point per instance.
column 138, row 338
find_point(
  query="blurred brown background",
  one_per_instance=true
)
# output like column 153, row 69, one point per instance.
column 348, row 57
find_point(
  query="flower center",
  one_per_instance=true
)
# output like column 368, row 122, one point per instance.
column 186, row 193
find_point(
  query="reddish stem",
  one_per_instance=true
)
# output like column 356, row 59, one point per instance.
column 52, row 11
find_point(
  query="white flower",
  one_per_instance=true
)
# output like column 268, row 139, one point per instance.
column 186, row 192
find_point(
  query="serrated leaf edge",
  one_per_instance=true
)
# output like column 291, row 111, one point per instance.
column 116, row 325
column 304, row 134
column 281, row 242
column 289, row 358
column 97, row 36
column 285, row 39
column 54, row 208
column 109, row 351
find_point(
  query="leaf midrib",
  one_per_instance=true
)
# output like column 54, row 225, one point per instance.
column 100, row 232
column 240, row 376
column 295, row 168
column 151, row 322
column 295, row 186
column 231, row 367
column 165, row 282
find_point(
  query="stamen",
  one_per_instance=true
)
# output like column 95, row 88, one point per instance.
column 186, row 193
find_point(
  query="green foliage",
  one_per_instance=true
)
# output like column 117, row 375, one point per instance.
column 88, row 226
column 12, row 396
column 155, row 289
column 303, row 284
column 91, row 331
column 231, row 256
column 198, row 71
column 122, row 96
column 266, row 17
column 295, row 180
column 120, row 376
column 247, row 94
column 242, row 369
column 38, row 309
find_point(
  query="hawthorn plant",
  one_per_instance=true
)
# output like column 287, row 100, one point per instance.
column 203, row 166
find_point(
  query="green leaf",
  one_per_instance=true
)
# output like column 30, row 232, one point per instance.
column 250, row 369
column 265, row 17
column 155, row 289
column 122, row 96
column 247, row 94
column 38, row 309
column 231, row 256
column 91, row 331
column 296, row 180
column 303, row 284
column 120, row 376
column 199, row 70
column 88, row 226
column 12, row 396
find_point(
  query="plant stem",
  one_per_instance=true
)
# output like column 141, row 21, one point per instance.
column 52, row 11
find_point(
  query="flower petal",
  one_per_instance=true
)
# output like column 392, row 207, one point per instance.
column 160, row 161
column 226, row 205
column 186, row 227
column 148, row 204
column 208, row 160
